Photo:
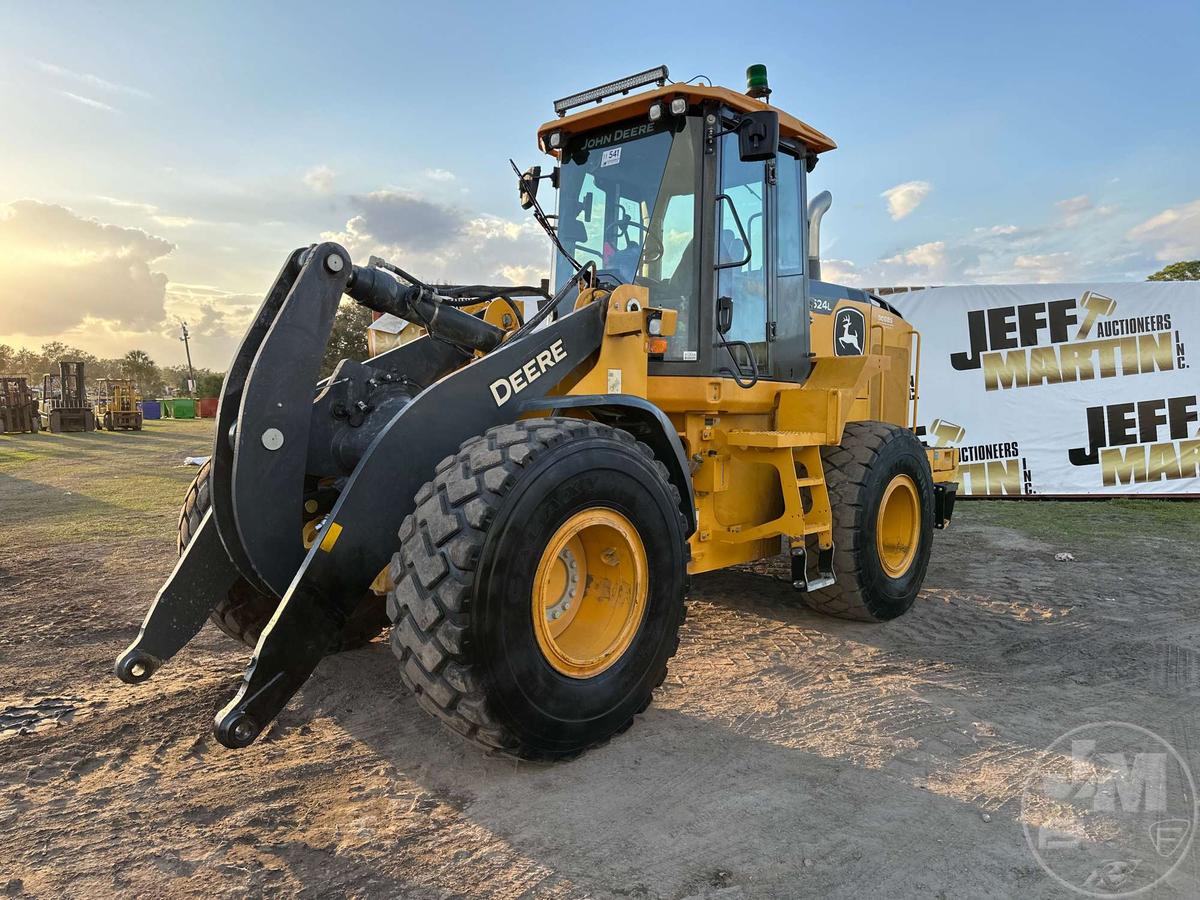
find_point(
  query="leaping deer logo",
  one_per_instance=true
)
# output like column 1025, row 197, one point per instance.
column 848, row 335
column 846, row 339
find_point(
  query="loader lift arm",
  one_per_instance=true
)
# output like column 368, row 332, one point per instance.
column 383, row 422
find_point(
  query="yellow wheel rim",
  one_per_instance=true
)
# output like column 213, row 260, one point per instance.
column 589, row 592
column 898, row 530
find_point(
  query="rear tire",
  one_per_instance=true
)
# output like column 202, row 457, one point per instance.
column 245, row 611
column 469, row 579
column 876, row 580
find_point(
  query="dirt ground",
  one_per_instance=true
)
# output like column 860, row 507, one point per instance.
column 787, row 754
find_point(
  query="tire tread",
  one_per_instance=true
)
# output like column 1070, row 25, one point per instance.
column 434, row 570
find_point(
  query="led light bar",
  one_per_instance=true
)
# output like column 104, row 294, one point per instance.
column 657, row 76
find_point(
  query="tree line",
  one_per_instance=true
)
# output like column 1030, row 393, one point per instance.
column 151, row 379
column 347, row 341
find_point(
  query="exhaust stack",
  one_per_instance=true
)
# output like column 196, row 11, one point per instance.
column 817, row 207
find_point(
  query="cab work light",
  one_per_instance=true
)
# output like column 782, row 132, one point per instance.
column 657, row 76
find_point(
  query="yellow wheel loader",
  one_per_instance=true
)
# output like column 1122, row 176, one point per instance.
column 525, row 498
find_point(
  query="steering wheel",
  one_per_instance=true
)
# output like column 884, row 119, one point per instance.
column 653, row 249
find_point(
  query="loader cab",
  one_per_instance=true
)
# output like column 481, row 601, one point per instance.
column 663, row 190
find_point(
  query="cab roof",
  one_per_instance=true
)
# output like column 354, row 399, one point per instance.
column 635, row 105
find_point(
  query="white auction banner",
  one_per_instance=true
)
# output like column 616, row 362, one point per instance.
column 1062, row 389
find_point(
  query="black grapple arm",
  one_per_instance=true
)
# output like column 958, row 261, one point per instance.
column 354, row 455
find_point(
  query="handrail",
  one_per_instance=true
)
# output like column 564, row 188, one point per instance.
column 916, row 376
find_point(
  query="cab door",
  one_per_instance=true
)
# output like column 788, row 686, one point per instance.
column 789, row 325
column 743, row 267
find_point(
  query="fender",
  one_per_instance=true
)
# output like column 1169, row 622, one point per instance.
column 647, row 423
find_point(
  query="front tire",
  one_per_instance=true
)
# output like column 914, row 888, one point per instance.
column 539, row 587
column 881, row 493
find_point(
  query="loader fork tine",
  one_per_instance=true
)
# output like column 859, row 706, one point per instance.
column 203, row 575
column 288, row 651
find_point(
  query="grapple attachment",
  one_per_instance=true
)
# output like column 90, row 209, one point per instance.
column 372, row 435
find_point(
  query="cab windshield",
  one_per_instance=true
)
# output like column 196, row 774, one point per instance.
column 627, row 202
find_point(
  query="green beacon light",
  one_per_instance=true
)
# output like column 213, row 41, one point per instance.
column 756, row 82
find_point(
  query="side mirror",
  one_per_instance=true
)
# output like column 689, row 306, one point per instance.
column 758, row 135
column 527, row 185
column 586, row 206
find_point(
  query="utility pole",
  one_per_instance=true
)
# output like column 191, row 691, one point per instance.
column 188, row 350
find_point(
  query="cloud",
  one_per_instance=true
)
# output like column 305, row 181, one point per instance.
column 840, row 271
column 931, row 255
column 175, row 221
column 439, row 175
column 58, row 268
column 1042, row 268
column 1075, row 205
column 1085, row 243
column 1075, row 209
column 145, row 208
column 150, row 211
column 212, row 313
column 88, row 101
column 904, row 198
column 91, row 80
column 1174, row 234
column 438, row 242
column 408, row 221
column 320, row 179
column 997, row 230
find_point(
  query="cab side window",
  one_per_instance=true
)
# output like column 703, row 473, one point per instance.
column 742, row 252
column 789, row 214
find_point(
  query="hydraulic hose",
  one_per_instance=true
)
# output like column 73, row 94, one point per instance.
column 377, row 290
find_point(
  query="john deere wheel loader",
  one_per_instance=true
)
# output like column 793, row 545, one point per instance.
column 531, row 495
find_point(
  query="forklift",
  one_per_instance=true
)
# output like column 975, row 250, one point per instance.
column 65, row 405
column 18, row 406
column 118, row 404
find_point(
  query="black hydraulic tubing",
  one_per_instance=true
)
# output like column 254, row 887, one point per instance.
column 379, row 291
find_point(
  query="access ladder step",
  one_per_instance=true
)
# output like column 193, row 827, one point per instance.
column 825, row 577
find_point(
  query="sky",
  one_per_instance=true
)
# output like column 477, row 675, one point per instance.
column 159, row 161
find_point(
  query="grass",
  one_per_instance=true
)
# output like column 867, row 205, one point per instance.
column 1093, row 519
column 64, row 487
column 56, row 487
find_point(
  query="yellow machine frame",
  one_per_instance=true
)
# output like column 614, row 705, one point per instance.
column 755, row 452
column 117, row 402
